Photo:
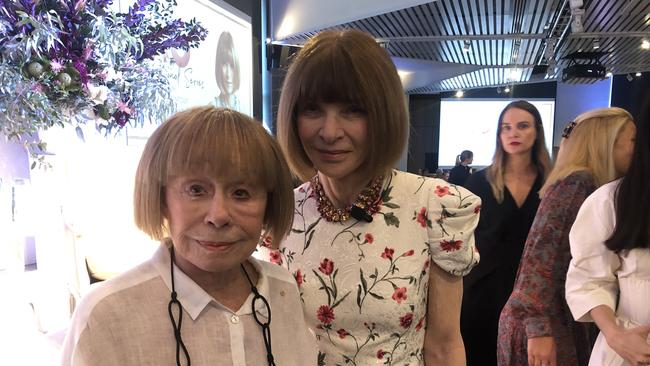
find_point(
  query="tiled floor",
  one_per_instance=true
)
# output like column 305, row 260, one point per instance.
column 21, row 341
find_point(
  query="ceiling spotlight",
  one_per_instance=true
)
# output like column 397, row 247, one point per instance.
column 645, row 44
column 637, row 74
column 596, row 44
column 467, row 45
column 609, row 74
column 507, row 90
column 459, row 94
column 268, row 40
column 629, row 77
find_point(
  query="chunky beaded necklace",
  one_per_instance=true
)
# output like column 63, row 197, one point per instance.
column 369, row 200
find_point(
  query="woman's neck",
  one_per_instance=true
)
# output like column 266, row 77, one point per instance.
column 519, row 164
column 230, row 288
column 343, row 192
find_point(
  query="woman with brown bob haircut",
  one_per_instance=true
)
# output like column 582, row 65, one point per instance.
column 209, row 182
column 377, row 253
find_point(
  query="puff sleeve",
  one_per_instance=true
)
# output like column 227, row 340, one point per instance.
column 453, row 212
column 591, row 278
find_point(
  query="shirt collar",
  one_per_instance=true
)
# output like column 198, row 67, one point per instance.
column 192, row 297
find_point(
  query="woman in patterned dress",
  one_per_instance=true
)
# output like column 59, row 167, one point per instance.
column 536, row 326
column 378, row 254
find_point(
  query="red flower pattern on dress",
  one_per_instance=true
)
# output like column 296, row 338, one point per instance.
column 388, row 253
column 442, row 191
column 450, row 245
column 406, row 320
column 380, row 354
column 326, row 266
column 369, row 238
column 409, row 253
column 325, row 314
column 300, row 278
column 422, row 217
column 342, row 333
column 419, row 325
column 426, row 265
column 399, row 295
column 477, row 209
column 275, row 257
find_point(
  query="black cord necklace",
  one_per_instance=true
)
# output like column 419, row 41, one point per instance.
column 174, row 303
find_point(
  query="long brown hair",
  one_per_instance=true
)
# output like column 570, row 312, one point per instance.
column 540, row 157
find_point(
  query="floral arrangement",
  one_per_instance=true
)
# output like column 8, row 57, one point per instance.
column 72, row 61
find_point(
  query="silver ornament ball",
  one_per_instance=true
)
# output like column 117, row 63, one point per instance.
column 35, row 69
column 65, row 79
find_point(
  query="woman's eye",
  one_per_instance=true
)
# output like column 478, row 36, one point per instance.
column 241, row 193
column 354, row 110
column 310, row 110
column 196, row 190
column 523, row 126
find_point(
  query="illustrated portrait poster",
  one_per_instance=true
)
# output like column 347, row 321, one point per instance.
column 219, row 71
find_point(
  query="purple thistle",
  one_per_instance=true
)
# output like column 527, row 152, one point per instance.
column 80, row 66
column 121, row 118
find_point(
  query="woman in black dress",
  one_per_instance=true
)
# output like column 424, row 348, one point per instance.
column 508, row 189
column 459, row 174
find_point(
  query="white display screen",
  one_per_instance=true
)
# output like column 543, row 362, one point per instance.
column 229, row 42
column 471, row 124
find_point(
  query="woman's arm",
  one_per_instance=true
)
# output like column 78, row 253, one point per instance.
column 443, row 344
column 631, row 344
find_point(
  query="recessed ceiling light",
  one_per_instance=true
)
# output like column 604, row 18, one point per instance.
column 459, row 94
column 507, row 90
column 609, row 74
column 645, row 44
column 638, row 74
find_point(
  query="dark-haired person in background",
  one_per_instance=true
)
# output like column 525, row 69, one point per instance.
column 459, row 174
column 608, row 281
column 508, row 189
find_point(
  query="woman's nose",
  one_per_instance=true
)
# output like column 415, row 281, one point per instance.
column 331, row 129
column 218, row 213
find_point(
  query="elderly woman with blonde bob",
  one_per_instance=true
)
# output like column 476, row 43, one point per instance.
column 209, row 182
column 536, row 327
column 378, row 253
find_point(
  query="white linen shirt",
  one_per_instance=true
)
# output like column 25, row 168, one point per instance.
column 125, row 321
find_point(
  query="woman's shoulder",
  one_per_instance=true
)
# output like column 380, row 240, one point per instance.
column 272, row 271
column 581, row 180
column 605, row 193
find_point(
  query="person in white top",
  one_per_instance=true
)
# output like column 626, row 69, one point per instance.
column 209, row 183
column 608, row 280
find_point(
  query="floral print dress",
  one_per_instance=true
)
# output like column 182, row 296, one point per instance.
column 364, row 285
column 537, row 306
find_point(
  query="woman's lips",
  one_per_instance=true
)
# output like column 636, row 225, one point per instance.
column 216, row 246
column 332, row 155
